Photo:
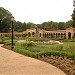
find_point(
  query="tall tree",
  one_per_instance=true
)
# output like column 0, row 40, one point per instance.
column 69, row 23
column 18, row 26
column 50, row 25
column 73, row 18
column 30, row 25
column 62, row 25
column 24, row 26
column 5, row 20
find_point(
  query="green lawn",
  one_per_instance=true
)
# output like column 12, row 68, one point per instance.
column 66, row 49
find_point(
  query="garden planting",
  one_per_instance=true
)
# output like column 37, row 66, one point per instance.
column 59, row 55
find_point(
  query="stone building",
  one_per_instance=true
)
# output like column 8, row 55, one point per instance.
column 69, row 33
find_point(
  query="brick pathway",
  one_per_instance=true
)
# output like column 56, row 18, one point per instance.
column 12, row 63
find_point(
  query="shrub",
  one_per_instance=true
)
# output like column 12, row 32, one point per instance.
column 9, row 43
column 29, row 44
column 59, row 47
column 2, row 42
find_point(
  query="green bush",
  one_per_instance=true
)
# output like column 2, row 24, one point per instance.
column 9, row 43
column 2, row 42
column 29, row 49
column 59, row 47
column 28, row 44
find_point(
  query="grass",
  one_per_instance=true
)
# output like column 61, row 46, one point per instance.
column 67, row 49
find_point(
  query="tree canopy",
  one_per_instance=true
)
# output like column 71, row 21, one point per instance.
column 5, row 23
column 73, row 18
column 5, row 20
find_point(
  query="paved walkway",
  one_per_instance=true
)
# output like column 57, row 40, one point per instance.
column 12, row 63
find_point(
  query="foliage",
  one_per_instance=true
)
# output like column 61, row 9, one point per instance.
column 5, row 23
column 24, row 35
column 69, row 23
column 2, row 42
column 30, row 25
column 18, row 26
column 61, row 25
column 73, row 18
column 5, row 20
column 28, row 44
column 46, row 50
column 49, row 25
column 9, row 43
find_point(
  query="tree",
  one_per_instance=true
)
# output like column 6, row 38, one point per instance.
column 5, row 20
column 73, row 18
column 69, row 23
column 61, row 26
column 30, row 25
column 18, row 26
column 24, row 26
column 50, row 25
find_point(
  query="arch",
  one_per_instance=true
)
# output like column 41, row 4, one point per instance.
column 45, row 35
column 1, row 35
column 49, row 35
column 69, row 35
column 33, row 33
column 53, row 35
column 56, row 35
column 74, row 35
column 29, row 34
column 40, row 34
column 61, row 35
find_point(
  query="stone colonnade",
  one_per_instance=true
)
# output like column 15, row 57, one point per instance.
column 69, row 33
column 61, row 34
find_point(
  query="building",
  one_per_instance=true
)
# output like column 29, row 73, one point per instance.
column 69, row 33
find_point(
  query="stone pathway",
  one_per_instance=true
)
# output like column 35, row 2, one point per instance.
column 12, row 63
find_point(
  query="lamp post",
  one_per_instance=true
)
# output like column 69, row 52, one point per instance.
column 12, row 19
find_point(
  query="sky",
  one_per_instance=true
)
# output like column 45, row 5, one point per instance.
column 39, row 11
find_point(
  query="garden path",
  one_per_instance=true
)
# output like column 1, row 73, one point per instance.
column 12, row 63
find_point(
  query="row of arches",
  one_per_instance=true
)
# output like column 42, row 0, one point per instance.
column 33, row 34
column 48, row 35
column 70, row 35
column 54, row 35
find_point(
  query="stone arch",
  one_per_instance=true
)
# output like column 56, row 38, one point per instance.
column 56, row 35
column 61, row 35
column 40, row 34
column 1, row 35
column 29, row 34
column 53, row 35
column 33, row 33
column 74, row 35
column 45, row 35
column 49, row 35
column 69, row 35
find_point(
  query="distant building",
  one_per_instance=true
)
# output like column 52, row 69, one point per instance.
column 69, row 33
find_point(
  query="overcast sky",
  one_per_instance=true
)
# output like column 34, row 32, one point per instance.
column 39, row 11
